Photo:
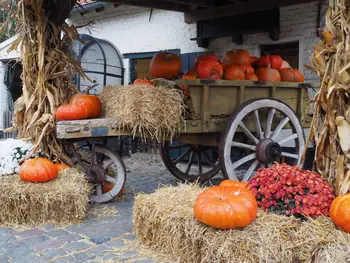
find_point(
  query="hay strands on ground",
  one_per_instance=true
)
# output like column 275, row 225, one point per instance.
column 330, row 127
column 164, row 222
column 147, row 111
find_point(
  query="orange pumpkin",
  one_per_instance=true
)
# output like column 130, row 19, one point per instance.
column 165, row 65
column 226, row 207
column 237, row 57
column 340, row 212
column 285, row 64
column 210, row 69
column 251, row 76
column 233, row 183
column 38, row 170
column 191, row 74
column 143, row 82
column 268, row 74
column 247, row 68
column 93, row 100
column 77, row 111
column 274, row 62
column 291, row 75
column 253, row 60
column 108, row 186
column 204, row 57
column 234, row 73
column 61, row 166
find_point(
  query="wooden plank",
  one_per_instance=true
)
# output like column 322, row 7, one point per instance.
column 205, row 108
column 249, row 6
column 158, row 4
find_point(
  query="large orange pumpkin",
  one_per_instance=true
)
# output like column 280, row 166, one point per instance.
column 251, row 76
column 61, row 166
column 38, row 170
column 291, row 75
column 165, row 65
column 234, row 73
column 204, row 57
column 210, row 69
column 268, row 74
column 233, row 183
column 247, row 68
column 237, row 57
column 340, row 212
column 93, row 100
column 77, row 111
column 274, row 62
column 143, row 82
column 225, row 207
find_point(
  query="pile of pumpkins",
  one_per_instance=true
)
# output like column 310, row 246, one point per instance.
column 235, row 65
column 231, row 205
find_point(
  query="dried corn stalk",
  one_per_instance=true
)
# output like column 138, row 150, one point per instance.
column 47, row 74
column 330, row 127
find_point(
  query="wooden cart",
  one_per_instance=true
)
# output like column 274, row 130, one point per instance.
column 241, row 126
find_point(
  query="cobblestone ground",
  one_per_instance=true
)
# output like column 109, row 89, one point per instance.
column 104, row 236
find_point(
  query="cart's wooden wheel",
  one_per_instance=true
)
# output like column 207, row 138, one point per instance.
column 261, row 122
column 101, row 166
column 195, row 163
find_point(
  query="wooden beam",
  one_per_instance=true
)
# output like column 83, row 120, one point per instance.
column 156, row 4
column 202, row 3
column 248, row 6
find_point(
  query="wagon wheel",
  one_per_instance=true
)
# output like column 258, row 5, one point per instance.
column 195, row 162
column 263, row 143
column 102, row 166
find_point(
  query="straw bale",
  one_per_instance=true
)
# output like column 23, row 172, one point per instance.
column 154, row 112
column 164, row 222
column 61, row 201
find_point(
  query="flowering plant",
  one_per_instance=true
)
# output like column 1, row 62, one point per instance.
column 291, row 190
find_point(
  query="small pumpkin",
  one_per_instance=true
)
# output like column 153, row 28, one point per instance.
column 143, row 82
column 291, row 75
column 274, row 62
column 61, row 166
column 268, row 74
column 38, row 170
column 237, row 57
column 204, row 57
column 233, row 183
column 165, row 65
column 247, row 68
column 251, row 76
column 93, row 100
column 226, row 207
column 77, row 111
column 234, row 73
column 340, row 212
column 108, row 186
column 210, row 69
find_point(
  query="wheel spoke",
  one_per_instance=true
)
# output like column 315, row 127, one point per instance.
column 269, row 123
column 99, row 189
column 248, row 133
column 251, row 169
column 106, row 165
column 279, row 128
column 189, row 164
column 287, row 139
column 291, row 155
column 111, row 179
column 258, row 129
column 177, row 147
column 243, row 160
column 209, row 159
column 243, row 145
column 181, row 157
column 199, row 159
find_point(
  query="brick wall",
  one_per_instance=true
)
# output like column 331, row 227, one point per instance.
column 132, row 30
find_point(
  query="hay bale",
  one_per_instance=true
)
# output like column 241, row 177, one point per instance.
column 154, row 112
column 61, row 201
column 164, row 222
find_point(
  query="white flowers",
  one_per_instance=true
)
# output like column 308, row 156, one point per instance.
column 12, row 151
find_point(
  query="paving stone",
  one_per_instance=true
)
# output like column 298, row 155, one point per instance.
column 52, row 253
column 83, row 257
column 71, row 237
column 31, row 233
column 20, row 252
column 30, row 259
column 6, row 231
column 98, row 250
column 57, row 233
column 76, row 246
column 9, row 246
column 147, row 260
column 118, row 243
column 4, row 258
column 48, row 245
column 49, row 227
column 99, row 239
column 131, row 253
column 66, row 259
column 30, row 241
column 5, row 239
